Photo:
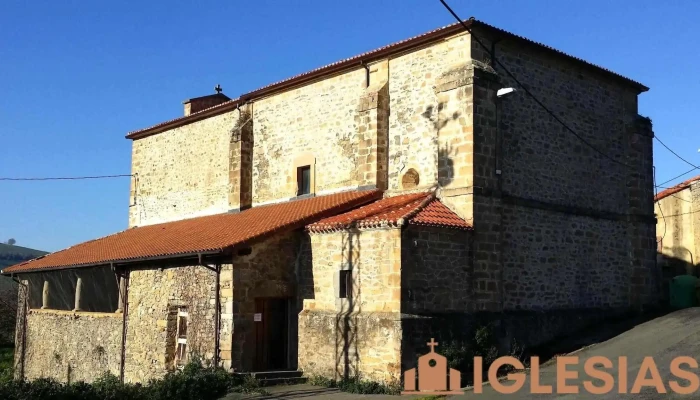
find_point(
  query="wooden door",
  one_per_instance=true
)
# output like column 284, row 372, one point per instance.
column 271, row 331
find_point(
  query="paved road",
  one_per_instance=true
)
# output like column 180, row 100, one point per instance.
column 663, row 338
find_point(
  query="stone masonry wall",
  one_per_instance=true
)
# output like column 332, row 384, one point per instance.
column 341, row 122
column 419, row 115
column 152, row 294
column 554, row 261
column 71, row 347
column 675, row 230
column 182, row 173
column 360, row 335
column 436, row 270
column 317, row 119
column 695, row 198
column 553, row 188
column 267, row 272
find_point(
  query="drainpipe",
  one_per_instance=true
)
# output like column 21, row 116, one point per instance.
column 24, row 325
column 217, row 316
column 362, row 63
column 125, row 313
column 217, row 305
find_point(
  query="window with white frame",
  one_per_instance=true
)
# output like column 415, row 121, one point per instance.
column 181, row 337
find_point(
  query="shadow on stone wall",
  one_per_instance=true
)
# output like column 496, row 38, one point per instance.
column 347, row 357
column 438, row 120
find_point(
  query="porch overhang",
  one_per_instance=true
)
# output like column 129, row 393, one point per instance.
column 202, row 239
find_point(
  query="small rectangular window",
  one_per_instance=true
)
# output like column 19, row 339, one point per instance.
column 181, row 338
column 345, row 284
column 303, row 180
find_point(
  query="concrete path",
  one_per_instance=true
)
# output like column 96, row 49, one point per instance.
column 311, row 393
column 663, row 338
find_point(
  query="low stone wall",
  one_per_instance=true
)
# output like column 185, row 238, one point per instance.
column 154, row 297
column 337, row 345
column 72, row 347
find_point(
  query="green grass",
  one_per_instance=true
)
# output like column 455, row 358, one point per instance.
column 356, row 385
column 6, row 359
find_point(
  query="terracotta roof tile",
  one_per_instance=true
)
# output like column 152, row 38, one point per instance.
column 675, row 189
column 417, row 208
column 213, row 233
column 436, row 213
column 356, row 60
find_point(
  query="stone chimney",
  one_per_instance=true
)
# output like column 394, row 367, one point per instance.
column 200, row 103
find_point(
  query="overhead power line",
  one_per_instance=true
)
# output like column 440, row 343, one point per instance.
column 683, row 174
column 675, row 154
column 656, row 193
column 526, row 90
column 71, row 178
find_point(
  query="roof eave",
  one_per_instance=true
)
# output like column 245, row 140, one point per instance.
column 198, row 116
column 298, row 80
column 122, row 262
column 362, row 59
column 510, row 35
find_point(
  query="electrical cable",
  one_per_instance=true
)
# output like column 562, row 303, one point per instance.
column 527, row 91
column 660, row 210
column 673, row 179
column 675, row 154
column 66, row 178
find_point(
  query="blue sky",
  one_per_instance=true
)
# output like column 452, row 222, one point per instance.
column 75, row 76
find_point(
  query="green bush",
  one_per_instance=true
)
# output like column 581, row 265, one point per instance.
column 194, row 382
column 460, row 352
column 6, row 361
column 356, row 385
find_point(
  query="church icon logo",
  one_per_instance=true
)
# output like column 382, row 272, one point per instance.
column 432, row 375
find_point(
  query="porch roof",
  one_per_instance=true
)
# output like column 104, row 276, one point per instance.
column 214, row 234
column 416, row 209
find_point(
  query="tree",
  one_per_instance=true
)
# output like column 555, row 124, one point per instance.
column 8, row 310
column 11, row 241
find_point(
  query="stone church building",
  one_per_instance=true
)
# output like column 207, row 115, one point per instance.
column 335, row 221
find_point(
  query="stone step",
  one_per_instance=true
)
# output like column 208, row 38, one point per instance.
column 264, row 375
column 283, row 381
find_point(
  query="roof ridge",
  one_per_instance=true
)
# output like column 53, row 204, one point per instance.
column 428, row 199
column 391, row 48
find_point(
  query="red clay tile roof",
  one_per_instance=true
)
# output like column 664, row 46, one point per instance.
column 215, row 233
column 436, row 213
column 356, row 61
column 417, row 208
column 675, row 189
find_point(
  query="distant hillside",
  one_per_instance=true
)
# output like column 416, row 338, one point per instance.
column 13, row 254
